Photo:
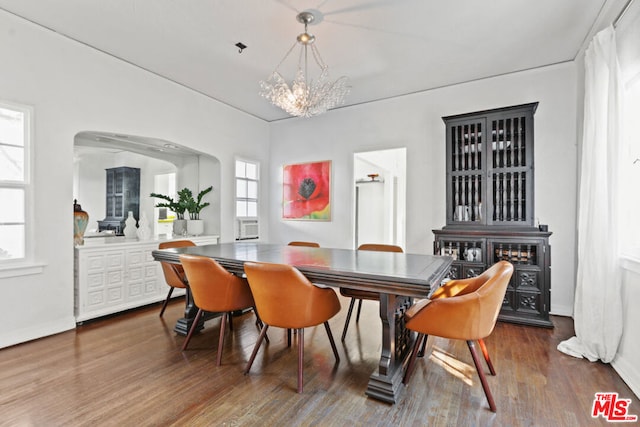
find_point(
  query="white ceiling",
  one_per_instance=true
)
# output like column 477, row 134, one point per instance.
column 386, row 47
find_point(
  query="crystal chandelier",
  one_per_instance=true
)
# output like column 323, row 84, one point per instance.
column 305, row 97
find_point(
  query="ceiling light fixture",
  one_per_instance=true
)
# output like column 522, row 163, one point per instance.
column 305, row 97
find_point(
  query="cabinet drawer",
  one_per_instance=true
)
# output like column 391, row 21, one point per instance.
column 95, row 280
column 529, row 302
column 114, row 260
column 95, row 263
column 135, row 290
column 95, row 299
column 135, row 273
column 455, row 272
column 151, row 287
column 115, row 295
column 527, row 280
column 460, row 270
column 114, row 277
column 472, row 270
column 135, row 257
column 151, row 271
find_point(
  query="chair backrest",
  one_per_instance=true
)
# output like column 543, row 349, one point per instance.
column 308, row 244
column 176, row 244
column 285, row 298
column 173, row 273
column 461, row 287
column 379, row 247
column 469, row 312
column 213, row 287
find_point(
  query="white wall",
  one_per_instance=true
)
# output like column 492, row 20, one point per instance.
column 414, row 121
column 626, row 360
column 74, row 88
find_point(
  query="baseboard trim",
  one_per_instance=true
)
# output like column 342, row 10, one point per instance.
column 629, row 373
column 10, row 338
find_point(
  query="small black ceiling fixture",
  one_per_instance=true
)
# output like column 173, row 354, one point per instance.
column 241, row 46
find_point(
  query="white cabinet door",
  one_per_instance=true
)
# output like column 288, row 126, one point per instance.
column 115, row 277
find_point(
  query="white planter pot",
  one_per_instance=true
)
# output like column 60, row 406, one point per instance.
column 195, row 227
column 179, row 227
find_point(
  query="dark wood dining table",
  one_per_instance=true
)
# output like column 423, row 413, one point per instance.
column 398, row 277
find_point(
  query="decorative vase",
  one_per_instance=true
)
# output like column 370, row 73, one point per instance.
column 179, row 227
column 130, row 230
column 195, row 227
column 80, row 221
column 144, row 231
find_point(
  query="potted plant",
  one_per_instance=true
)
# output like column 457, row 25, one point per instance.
column 195, row 226
column 179, row 207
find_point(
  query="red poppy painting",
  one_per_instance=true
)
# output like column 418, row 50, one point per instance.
column 306, row 191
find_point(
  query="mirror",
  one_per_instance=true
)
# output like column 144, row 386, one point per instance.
column 164, row 167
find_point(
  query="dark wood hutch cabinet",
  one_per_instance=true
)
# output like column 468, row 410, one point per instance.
column 122, row 196
column 490, row 208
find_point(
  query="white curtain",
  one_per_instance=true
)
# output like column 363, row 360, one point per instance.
column 598, row 302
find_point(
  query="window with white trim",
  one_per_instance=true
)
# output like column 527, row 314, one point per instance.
column 628, row 46
column 15, row 126
column 247, row 179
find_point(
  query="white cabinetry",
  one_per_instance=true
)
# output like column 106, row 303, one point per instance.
column 116, row 275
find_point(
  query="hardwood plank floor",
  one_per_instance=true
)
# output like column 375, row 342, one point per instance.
column 129, row 370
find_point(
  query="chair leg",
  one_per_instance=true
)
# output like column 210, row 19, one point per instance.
column 166, row 301
column 223, row 322
column 423, row 348
column 485, row 353
column 230, row 320
column 359, row 310
column 194, row 325
column 346, row 322
column 412, row 359
column 255, row 349
column 483, row 379
column 288, row 337
column 300, row 358
column 333, row 344
column 259, row 324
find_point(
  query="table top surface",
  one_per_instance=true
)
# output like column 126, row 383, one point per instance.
column 387, row 272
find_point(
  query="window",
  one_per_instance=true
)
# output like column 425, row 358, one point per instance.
column 246, row 189
column 15, row 132
column 628, row 45
column 630, row 197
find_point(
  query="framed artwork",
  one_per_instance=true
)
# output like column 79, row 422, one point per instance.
column 306, row 191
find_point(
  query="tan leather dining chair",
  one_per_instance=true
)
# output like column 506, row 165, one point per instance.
column 285, row 298
column 307, row 244
column 355, row 294
column 173, row 273
column 464, row 309
column 214, row 289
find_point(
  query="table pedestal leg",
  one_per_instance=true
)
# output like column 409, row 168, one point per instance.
column 385, row 384
column 184, row 323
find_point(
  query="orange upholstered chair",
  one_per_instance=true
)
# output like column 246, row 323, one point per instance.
column 285, row 298
column 173, row 273
column 464, row 310
column 355, row 294
column 214, row 289
column 308, row 244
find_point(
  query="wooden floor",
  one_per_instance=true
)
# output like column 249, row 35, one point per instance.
column 128, row 370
